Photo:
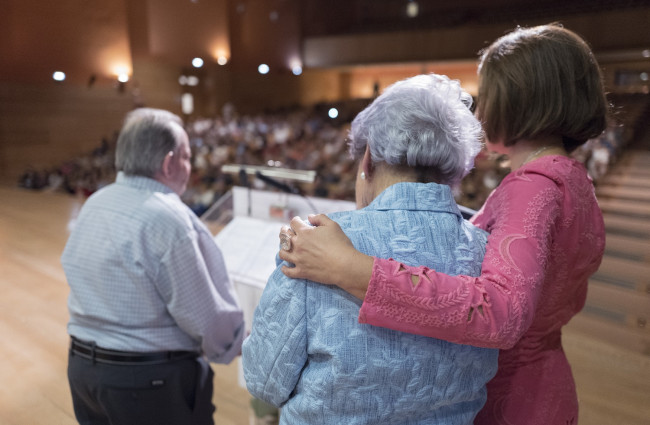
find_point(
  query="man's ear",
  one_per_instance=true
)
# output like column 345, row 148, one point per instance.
column 366, row 163
column 166, row 168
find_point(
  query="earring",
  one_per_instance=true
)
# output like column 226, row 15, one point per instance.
column 362, row 175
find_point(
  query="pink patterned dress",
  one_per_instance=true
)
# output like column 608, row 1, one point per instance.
column 546, row 238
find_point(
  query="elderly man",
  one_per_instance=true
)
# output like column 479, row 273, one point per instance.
column 150, row 301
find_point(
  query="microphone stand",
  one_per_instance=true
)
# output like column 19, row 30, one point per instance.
column 243, row 179
column 284, row 188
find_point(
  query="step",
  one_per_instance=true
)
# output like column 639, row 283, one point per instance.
column 625, row 208
column 627, row 247
column 622, row 306
column 628, row 193
column 625, row 180
column 635, row 156
column 614, row 334
column 623, row 273
column 633, row 227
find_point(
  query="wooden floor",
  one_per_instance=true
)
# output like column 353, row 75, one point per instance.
column 608, row 344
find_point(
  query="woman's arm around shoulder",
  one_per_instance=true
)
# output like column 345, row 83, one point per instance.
column 494, row 309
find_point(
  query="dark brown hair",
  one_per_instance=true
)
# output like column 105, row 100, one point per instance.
column 541, row 81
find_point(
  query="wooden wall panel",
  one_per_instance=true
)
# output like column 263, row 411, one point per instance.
column 604, row 31
column 43, row 125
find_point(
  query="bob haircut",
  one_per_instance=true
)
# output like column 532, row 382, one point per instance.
column 422, row 123
column 147, row 136
column 541, row 81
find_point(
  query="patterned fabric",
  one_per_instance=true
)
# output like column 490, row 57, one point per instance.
column 308, row 354
column 146, row 275
column 546, row 238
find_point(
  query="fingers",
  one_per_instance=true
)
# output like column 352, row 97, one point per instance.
column 319, row 219
column 285, row 242
column 297, row 224
column 290, row 272
column 287, row 255
column 287, row 231
column 283, row 255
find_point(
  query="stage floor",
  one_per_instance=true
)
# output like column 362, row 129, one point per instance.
column 613, row 380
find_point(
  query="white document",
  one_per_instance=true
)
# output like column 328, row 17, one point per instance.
column 249, row 246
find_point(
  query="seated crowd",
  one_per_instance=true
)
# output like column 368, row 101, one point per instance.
column 301, row 138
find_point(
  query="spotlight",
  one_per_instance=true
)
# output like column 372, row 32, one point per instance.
column 222, row 60
column 297, row 70
column 263, row 69
column 412, row 9
column 197, row 62
column 58, row 76
column 187, row 103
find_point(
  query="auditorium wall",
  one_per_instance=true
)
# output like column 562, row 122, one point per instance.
column 43, row 123
column 606, row 31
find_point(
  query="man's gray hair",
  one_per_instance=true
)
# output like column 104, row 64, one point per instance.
column 423, row 122
column 147, row 136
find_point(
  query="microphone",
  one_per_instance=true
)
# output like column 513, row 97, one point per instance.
column 285, row 188
column 279, row 185
column 243, row 177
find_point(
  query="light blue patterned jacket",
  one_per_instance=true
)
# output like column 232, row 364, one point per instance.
column 308, row 354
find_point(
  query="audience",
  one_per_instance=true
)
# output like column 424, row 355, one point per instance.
column 300, row 138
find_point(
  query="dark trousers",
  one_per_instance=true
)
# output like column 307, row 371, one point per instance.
column 177, row 392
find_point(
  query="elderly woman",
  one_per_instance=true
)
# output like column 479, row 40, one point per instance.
column 307, row 353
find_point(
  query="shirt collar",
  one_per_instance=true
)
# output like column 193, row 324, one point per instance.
column 142, row 183
column 416, row 196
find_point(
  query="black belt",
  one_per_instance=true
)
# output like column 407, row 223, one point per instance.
column 102, row 355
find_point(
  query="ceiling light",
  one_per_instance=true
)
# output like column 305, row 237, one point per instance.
column 412, row 9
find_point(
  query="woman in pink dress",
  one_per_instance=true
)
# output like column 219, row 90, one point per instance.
column 540, row 97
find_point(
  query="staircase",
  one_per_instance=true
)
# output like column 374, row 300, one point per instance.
column 617, row 310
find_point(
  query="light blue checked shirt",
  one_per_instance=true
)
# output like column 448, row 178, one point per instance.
column 146, row 275
column 308, row 354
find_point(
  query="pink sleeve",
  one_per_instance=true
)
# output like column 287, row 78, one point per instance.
column 492, row 310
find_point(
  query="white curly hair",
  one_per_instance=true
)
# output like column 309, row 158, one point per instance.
column 422, row 122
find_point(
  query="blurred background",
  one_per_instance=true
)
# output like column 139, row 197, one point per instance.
column 275, row 84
